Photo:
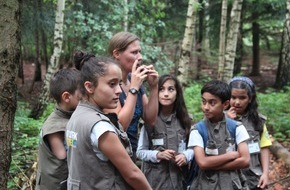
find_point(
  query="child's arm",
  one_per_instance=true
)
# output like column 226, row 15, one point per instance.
column 143, row 152
column 242, row 161
column 112, row 148
column 212, row 162
column 150, row 104
column 264, row 144
column 264, row 179
column 56, row 143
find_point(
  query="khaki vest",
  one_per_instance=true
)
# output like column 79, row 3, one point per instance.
column 51, row 172
column 164, row 175
column 86, row 170
column 254, row 172
column 218, row 137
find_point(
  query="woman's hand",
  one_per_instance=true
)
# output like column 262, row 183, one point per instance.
column 138, row 75
column 152, row 77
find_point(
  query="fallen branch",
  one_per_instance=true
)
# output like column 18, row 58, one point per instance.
column 279, row 180
column 280, row 152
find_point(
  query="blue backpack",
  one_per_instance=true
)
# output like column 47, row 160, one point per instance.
column 202, row 129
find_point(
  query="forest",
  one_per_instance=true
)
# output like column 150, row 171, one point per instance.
column 195, row 40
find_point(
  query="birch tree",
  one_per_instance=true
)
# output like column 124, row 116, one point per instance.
column 283, row 73
column 222, row 41
column 9, row 57
column 54, row 61
column 231, row 43
column 187, row 44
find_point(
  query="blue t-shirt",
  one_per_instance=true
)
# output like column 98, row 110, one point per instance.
column 132, row 130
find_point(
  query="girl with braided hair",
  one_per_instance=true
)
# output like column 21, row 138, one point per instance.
column 244, row 108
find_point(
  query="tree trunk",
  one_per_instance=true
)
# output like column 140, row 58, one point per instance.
column 187, row 43
column 9, row 58
column 54, row 62
column 199, row 43
column 239, row 52
column 283, row 73
column 232, row 37
column 37, row 73
column 43, row 38
column 256, row 47
column 222, row 42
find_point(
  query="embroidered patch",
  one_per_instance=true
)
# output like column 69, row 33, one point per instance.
column 71, row 138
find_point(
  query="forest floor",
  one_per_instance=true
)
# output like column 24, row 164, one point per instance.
column 279, row 172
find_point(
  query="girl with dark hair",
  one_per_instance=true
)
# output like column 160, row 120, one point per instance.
column 162, row 148
column 98, row 148
column 244, row 108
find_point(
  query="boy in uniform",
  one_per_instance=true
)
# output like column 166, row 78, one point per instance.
column 220, row 150
column 52, row 170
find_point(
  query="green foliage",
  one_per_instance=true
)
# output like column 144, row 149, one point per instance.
column 193, row 101
column 275, row 105
column 154, row 55
column 25, row 141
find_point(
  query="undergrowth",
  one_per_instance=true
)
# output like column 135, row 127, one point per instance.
column 25, row 143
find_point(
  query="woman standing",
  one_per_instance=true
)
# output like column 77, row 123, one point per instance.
column 134, row 104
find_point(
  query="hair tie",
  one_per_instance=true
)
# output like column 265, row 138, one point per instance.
column 247, row 80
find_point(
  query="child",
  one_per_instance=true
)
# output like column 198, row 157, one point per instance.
column 98, row 148
column 134, row 104
column 165, row 153
column 215, row 151
column 52, row 170
column 244, row 108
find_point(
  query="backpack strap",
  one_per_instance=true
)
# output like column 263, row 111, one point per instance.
column 200, row 126
column 231, row 126
column 230, row 123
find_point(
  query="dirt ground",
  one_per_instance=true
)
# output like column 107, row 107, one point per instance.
column 279, row 172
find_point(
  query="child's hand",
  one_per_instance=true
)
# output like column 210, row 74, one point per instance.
column 232, row 113
column 166, row 155
column 180, row 160
column 233, row 154
column 264, row 181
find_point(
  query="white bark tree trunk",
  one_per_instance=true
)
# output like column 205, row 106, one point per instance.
column 187, row 44
column 232, row 39
column 222, row 40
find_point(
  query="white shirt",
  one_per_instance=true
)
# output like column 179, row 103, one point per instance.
column 151, row 155
column 195, row 139
column 98, row 130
